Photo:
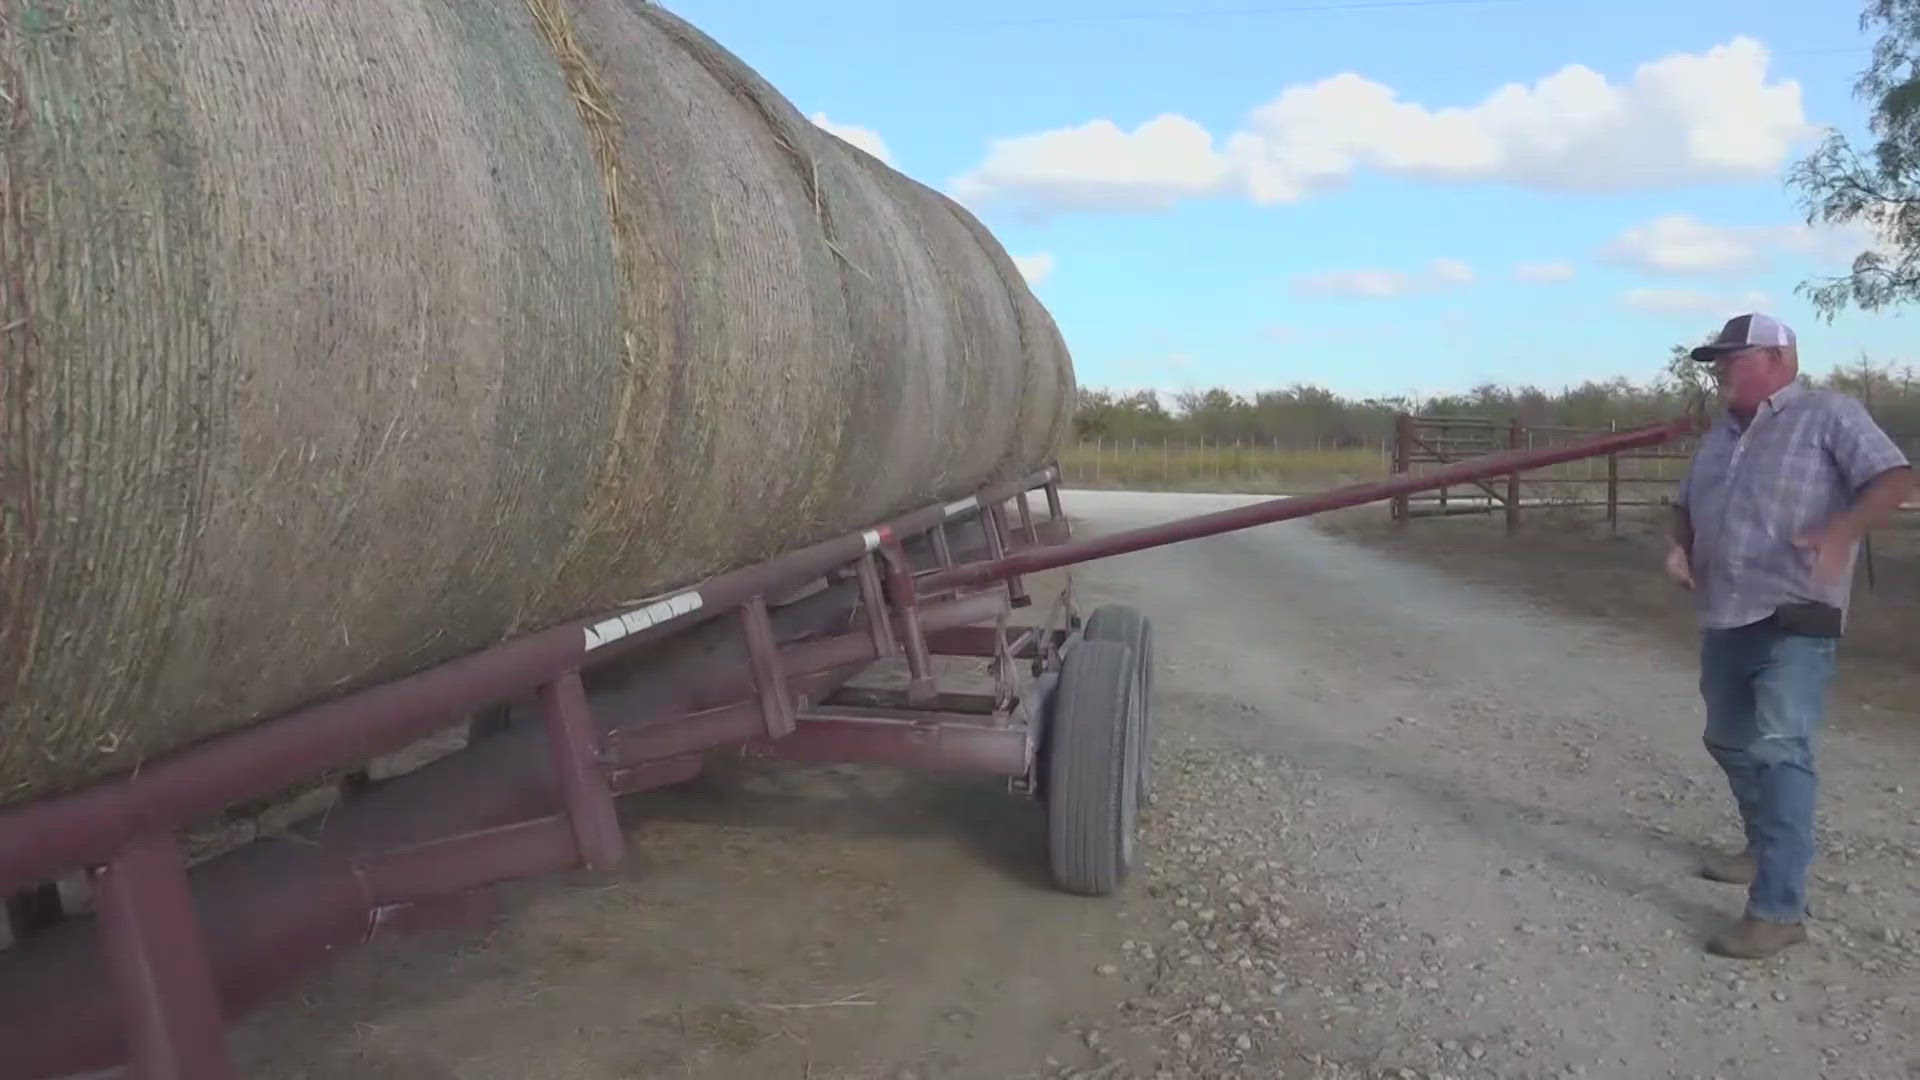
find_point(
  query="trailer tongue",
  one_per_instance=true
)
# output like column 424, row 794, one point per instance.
column 170, row 956
column 1284, row 509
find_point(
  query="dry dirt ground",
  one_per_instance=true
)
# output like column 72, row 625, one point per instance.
column 1412, row 820
column 1573, row 562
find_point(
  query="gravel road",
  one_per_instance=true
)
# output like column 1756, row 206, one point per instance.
column 1480, row 822
column 1402, row 829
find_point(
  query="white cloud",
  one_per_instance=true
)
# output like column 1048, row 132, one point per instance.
column 1384, row 284
column 1097, row 165
column 1035, row 268
column 1680, row 119
column 1543, row 272
column 1681, row 244
column 865, row 138
column 1694, row 303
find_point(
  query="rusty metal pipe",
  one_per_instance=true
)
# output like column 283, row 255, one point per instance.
column 1033, row 561
column 458, row 863
column 933, row 741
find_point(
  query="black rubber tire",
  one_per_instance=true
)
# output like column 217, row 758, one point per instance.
column 1127, row 625
column 1092, row 769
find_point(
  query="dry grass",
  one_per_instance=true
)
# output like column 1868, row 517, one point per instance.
column 1176, row 467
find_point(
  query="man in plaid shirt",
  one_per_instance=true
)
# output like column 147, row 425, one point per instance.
column 1767, row 523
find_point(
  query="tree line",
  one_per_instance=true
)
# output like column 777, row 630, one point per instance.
column 1304, row 415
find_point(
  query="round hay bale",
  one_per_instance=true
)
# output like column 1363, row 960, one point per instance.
column 343, row 339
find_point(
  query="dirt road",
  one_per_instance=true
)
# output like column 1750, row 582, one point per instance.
column 1403, row 828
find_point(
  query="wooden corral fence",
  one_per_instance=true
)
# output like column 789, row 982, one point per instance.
column 1634, row 478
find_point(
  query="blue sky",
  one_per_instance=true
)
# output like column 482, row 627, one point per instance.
column 1377, row 196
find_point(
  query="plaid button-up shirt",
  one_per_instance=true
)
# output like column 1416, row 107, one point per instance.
column 1752, row 489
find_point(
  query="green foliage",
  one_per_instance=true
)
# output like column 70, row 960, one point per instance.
column 1310, row 417
column 1878, row 190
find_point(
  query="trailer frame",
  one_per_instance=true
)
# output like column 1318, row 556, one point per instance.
column 188, row 950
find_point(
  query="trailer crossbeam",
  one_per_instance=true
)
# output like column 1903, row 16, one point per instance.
column 912, row 738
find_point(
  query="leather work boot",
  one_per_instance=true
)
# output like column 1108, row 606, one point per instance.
column 1756, row 939
column 1732, row 869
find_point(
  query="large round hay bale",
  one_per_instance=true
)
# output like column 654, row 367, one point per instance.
column 345, row 338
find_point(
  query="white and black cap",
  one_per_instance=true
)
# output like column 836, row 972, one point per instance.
column 1750, row 331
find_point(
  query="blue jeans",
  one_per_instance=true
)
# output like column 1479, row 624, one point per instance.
column 1765, row 693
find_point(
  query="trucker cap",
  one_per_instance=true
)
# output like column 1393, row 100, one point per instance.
column 1746, row 332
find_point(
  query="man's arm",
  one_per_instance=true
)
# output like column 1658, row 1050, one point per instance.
column 1880, row 477
column 1680, row 552
column 1680, row 532
column 1873, row 466
column 1874, row 505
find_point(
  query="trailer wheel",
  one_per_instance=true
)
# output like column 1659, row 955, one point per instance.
column 1118, row 622
column 1092, row 770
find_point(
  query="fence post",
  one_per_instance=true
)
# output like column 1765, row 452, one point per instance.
column 1516, row 435
column 1613, row 493
column 1613, row 484
column 1402, row 442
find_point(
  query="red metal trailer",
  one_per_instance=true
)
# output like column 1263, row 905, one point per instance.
column 756, row 659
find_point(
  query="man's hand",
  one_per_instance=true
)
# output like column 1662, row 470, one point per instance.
column 1831, row 549
column 1679, row 566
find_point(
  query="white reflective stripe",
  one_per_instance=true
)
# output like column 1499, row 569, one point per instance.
column 961, row 507
column 872, row 537
column 641, row 618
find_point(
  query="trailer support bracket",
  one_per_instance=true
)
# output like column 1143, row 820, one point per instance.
column 874, row 601
column 998, row 542
column 572, row 739
column 153, row 942
column 920, row 687
column 769, row 677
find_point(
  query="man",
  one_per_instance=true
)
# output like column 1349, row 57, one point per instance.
column 1768, row 519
